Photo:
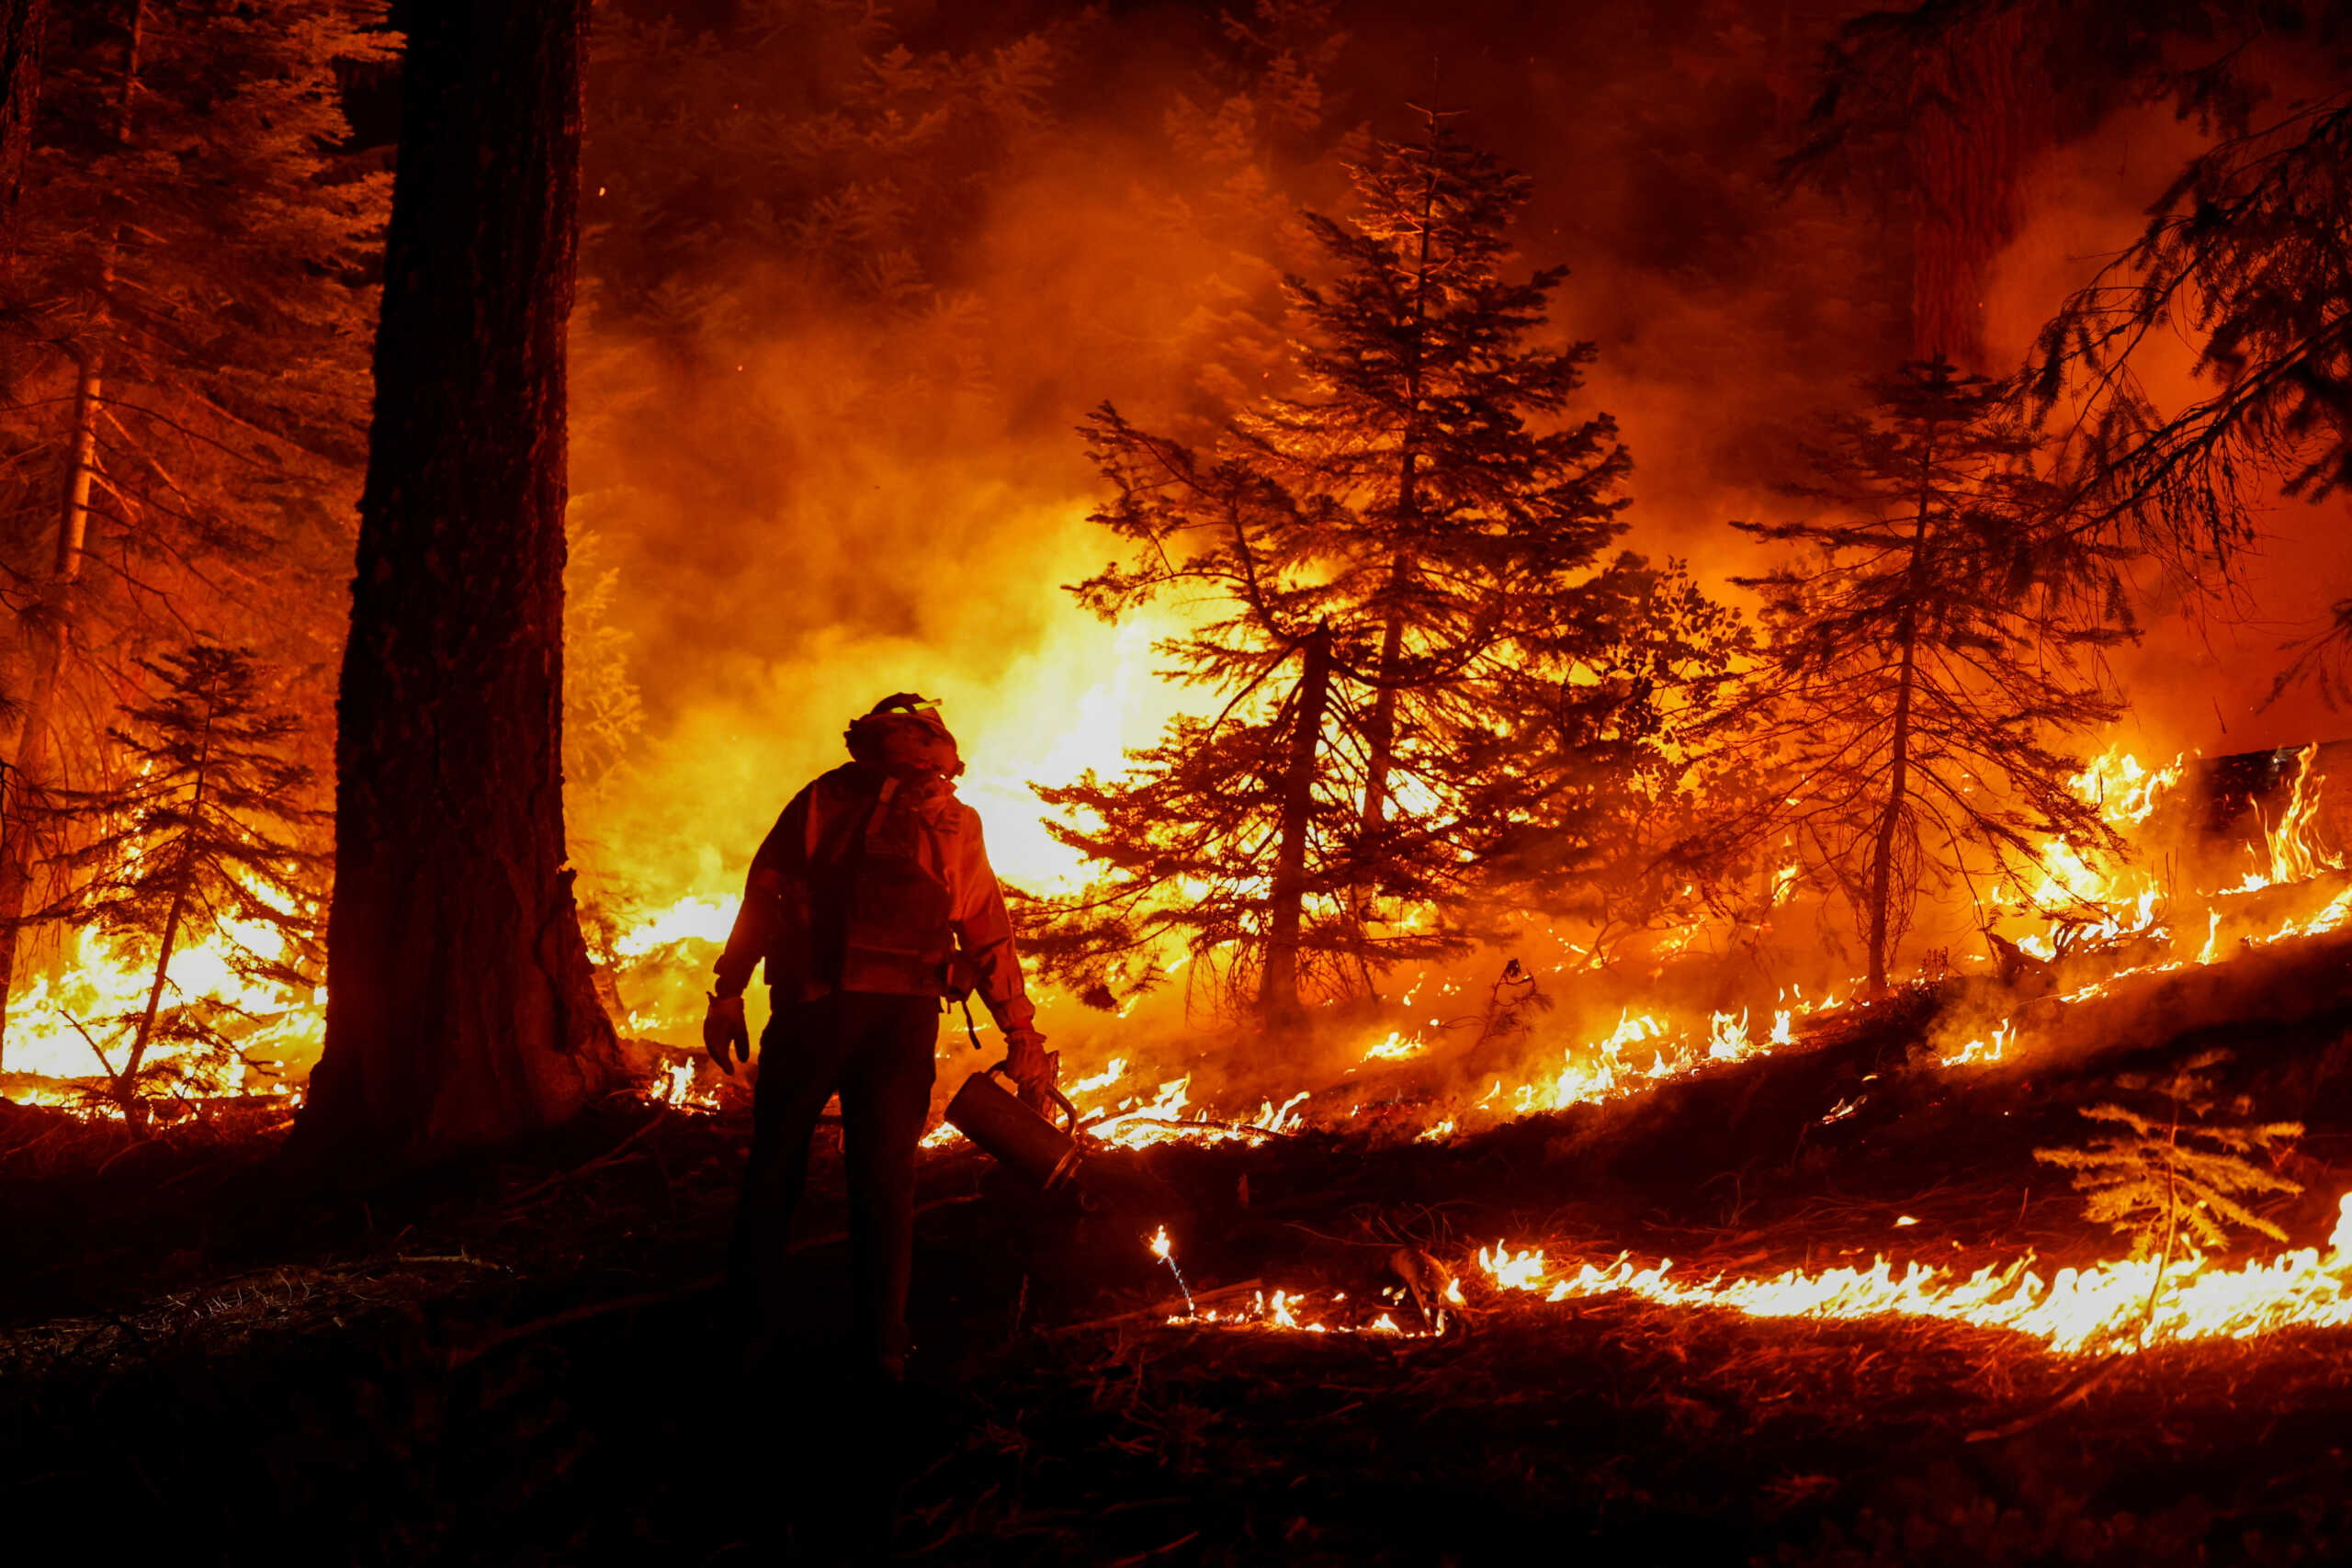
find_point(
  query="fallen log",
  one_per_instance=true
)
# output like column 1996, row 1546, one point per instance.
column 1172, row 1306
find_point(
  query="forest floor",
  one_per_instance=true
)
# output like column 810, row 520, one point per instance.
column 505, row 1366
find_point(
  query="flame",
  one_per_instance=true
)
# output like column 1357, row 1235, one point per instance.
column 2106, row 1307
column 2122, row 788
column 1163, row 1121
column 692, row 918
column 2101, row 1308
column 2100, row 904
column 2295, row 851
column 1113, row 1071
column 1297, row 1312
column 67, row 1027
column 1727, row 1038
column 1981, row 1052
column 673, row 1084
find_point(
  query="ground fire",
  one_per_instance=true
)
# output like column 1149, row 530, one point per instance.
column 1172, row 784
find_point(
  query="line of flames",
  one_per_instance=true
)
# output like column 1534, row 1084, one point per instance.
column 42, row 1039
column 2126, row 903
column 2114, row 1307
column 2108, row 1307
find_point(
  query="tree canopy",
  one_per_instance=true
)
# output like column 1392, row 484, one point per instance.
column 1402, row 590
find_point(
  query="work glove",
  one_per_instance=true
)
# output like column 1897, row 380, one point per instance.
column 1033, row 1068
column 725, row 1033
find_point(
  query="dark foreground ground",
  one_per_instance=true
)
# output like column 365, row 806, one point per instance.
column 198, row 1363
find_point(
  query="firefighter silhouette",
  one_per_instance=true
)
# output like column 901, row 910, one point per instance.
column 870, row 901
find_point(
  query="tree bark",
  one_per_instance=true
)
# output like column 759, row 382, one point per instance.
column 23, row 25
column 1984, row 109
column 461, row 1007
column 1278, row 981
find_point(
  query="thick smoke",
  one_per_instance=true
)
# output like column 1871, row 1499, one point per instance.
column 816, row 504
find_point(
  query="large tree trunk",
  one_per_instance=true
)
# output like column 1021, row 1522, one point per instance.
column 23, row 25
column 1285, row 915
column 1984, row 110
column 460, row 1009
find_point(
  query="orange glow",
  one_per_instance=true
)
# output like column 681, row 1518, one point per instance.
column 2095, row 1310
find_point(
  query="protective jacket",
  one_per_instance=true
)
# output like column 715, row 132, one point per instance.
column 875, row 881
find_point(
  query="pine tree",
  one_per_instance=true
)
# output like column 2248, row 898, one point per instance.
column 205, row 843
column 1935, row 637
column 1257, row 124
column 182, row 326
column 1389, row 557
column 603, row 708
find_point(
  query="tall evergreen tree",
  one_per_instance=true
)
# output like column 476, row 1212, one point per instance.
column 182, row 326
column 461, row 1007
column 1386, row 557
column 203, row 841
column 1934, row 642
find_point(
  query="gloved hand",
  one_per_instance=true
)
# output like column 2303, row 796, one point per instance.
column 724, row 1031
column 1033, row 1068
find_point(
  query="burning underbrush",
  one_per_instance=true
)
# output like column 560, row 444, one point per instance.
column 1502, row 1035
column 1711, row 1266
column 1548, row 1025
column 1652, row 1321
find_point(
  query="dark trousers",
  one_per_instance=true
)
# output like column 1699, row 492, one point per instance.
column 875, row 1052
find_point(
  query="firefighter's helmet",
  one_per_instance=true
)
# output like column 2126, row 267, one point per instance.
column 904, row 733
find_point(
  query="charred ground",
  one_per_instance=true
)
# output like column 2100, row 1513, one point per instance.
column 502, row 1367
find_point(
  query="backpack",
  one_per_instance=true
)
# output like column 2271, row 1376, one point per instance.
column 897, row 932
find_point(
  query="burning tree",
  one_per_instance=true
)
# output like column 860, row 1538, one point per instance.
column 461, row 1007
column 202, row 844
column 181, row 314
column 1938, row 635
column 1407, row 600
